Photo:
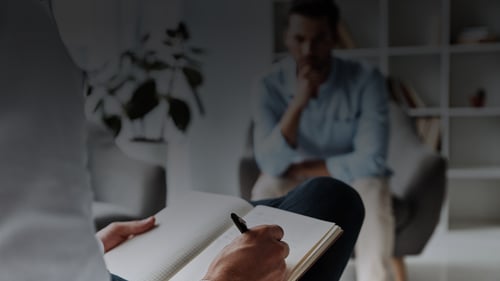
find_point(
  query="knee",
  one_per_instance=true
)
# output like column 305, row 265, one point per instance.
column 337, row 194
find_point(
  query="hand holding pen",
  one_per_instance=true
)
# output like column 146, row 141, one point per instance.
column 259, row 254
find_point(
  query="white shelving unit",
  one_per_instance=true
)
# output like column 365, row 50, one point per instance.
column 414, row 40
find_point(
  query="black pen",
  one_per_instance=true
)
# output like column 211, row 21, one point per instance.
column 239, row 222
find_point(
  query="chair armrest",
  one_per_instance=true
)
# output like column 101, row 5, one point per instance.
column 248, row 173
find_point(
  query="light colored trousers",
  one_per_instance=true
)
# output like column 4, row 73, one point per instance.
column 375, row 243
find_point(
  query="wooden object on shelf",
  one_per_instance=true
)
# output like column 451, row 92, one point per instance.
column 345, row 40
column 478, row 99
column 433, row 136
column 428, row 128
column 477, row 34
column 404, row 94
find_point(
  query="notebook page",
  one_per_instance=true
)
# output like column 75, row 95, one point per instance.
column 301, row 233
column 184, row 229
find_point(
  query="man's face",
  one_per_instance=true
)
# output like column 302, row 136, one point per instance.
column 310, row 41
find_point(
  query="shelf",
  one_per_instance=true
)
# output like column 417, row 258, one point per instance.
column 344, row 53
column 474, row 112
column 357, row 53
column 475, row 48
column 474, row 173
column 416, row 50
column 424, row 112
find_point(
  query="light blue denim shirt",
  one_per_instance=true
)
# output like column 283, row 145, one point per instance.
column 347, row 124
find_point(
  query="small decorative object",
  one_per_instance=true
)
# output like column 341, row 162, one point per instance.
column 476, row 35
column 478, row 99
column 146, row 79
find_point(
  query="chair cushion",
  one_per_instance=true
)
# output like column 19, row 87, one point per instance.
column 403, row 212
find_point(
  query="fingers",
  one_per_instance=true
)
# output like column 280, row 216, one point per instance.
column 142, row 226
column 276, row 232
column 285, row 249
column 135, row 227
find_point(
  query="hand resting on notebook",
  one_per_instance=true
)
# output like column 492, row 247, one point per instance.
column 258, row 254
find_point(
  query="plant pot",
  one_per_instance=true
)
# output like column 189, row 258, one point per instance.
column 154, row 153
column 174, row 158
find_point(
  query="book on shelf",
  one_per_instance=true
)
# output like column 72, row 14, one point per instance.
column 428, row 128
column 196, row 227
column 404, row 94
column 476, row 35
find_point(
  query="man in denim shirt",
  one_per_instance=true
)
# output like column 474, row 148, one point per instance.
column 317, row 115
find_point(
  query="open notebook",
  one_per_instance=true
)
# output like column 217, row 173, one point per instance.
column 195, row 228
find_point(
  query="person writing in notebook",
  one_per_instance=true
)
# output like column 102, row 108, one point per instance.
column 319, row 115
column 263, row 246
column 258, row 254
column 45, row 197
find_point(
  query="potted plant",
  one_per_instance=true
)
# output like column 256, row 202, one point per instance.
column 146, row 81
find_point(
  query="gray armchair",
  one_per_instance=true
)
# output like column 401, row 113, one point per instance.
column 124, row 188
column 417, row 186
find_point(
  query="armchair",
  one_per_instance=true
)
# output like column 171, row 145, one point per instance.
column 417, row 186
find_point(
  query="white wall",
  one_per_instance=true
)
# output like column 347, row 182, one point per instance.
column 96, row 31
column 237, row 37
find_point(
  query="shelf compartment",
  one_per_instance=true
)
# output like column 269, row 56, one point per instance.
column 475, row 48
column 473, row 201
column 475, row 173
column 474, row 142
column 357, row 53
column 422, row 73
column 470, row 72
column 414, row 50
column 414, row 23
column 466, row 13
column 424, row 112
column 474, row 112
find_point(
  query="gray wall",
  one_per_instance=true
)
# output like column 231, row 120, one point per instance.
column 238, row 41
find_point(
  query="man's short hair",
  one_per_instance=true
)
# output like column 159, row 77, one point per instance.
column 317, row 9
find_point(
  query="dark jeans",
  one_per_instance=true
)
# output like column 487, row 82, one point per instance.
column 326, row 199
column 330, row 200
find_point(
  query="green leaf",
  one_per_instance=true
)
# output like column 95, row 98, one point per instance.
column 180, row 113
column 145, row 38
column 182, row 31
column 156, row 66
column 178, row 56
column 144, row 99
column 193, row 76
column 113, row 122
column 171, row 33
column 90, row 89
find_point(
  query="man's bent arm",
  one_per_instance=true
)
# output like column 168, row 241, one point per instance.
column 273, row 152
column 368, row 159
